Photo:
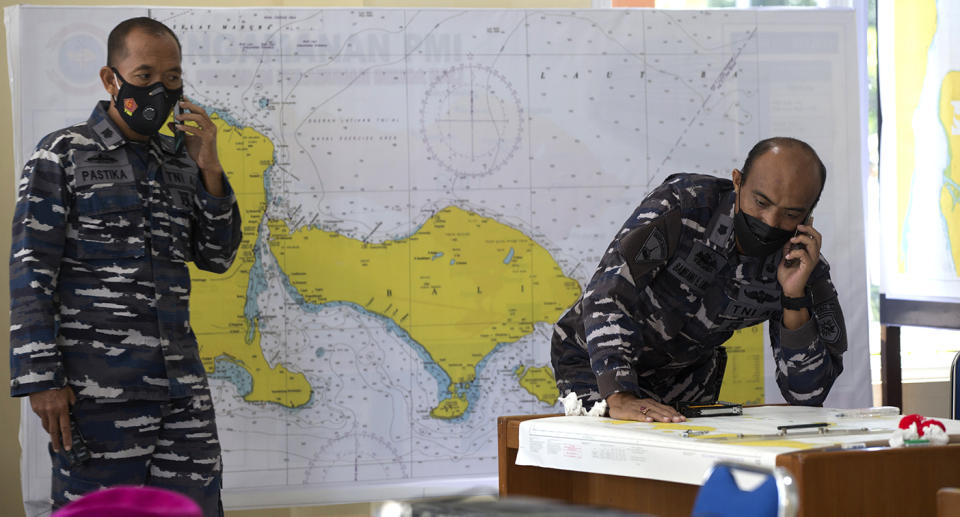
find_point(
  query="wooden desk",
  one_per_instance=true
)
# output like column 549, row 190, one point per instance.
column 879, row 481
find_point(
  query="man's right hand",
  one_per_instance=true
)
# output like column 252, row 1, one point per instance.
column 53, row 408
column 626, row 406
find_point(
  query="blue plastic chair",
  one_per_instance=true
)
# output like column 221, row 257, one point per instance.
column 720, row 496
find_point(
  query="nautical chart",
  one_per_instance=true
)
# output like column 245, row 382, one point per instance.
column 424, row 192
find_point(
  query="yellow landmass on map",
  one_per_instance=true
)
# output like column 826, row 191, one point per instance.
column 950, row 192
column 914, row 26
column 743, row 378
column 451, row 407
column 539, row 382
column 217, row 301
column 459, row 286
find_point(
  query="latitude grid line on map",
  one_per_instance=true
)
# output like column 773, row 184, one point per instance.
column 526, row 41
column 410, row 216
column 477, row 189
column 646, row 109
column 283, row 183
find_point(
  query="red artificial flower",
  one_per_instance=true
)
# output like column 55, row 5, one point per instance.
column 930, row 421
column 911, row 419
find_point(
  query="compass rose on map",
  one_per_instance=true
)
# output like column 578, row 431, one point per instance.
column 471, row 120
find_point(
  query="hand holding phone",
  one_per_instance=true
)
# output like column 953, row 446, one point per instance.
column 797, row 245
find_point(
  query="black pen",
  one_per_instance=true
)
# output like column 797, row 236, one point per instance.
column 784, row 428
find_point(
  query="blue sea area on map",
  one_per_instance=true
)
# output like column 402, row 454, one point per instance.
column 226, row 117
column 256, row 284
column 472, row 390
column 952, row 188
column 257, row 281
column 226, row 369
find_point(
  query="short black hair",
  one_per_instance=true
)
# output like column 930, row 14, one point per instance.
column 763, row 146
column 117, row 41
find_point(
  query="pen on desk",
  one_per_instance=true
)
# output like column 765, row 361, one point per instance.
column 820, row 426
column 801, row 426
column 820, row 431
column 868, row 412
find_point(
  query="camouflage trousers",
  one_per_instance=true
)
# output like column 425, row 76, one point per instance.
column 166, row 444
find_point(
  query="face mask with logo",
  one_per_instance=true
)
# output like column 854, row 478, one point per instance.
column 144, row 108
column 756, row 238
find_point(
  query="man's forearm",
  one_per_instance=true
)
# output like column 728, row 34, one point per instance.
column 213, row 181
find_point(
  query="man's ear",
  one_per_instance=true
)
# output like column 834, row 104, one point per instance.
column 109, row 80
column 737, row 177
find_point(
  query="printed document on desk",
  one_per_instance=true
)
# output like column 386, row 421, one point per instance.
column 658, row 450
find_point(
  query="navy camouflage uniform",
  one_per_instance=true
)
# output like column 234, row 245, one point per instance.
column 99, row 288
column 671, row 289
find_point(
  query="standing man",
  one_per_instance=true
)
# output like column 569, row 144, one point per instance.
column 699, row 258
column 109, row 213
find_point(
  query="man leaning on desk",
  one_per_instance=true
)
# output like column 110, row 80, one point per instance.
column 699, row 258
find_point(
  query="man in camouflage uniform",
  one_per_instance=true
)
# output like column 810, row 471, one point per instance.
column 109, row 214
column 699, row 258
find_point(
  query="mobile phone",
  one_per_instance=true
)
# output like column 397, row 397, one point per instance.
column 796, row 245
column 177, row 134
column 718, row 408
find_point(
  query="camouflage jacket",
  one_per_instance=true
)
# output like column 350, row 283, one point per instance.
column 99, row 286
column 671, row 289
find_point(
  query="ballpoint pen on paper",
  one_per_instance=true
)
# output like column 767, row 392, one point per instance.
column 781, row 434
column 868, row 412
column 783, row 429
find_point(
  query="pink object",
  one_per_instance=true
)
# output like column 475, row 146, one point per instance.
column 131, row 501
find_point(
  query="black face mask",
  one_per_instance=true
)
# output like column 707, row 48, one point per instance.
column 756, row 238
column 144, row 108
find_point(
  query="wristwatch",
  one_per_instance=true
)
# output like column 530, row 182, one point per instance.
column 795, row 304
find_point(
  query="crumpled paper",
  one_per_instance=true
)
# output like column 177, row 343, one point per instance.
column 573, row 406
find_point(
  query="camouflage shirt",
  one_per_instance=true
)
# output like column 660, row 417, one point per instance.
column 671, row 289
column 99, row 286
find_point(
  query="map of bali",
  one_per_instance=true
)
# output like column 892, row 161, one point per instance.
column 923, row 192
column 423, row 193
column 455, row 289
column 460, row 285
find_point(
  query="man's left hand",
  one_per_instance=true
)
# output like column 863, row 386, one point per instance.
column 201, row 142
column 793, row 278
